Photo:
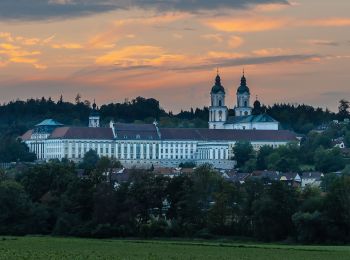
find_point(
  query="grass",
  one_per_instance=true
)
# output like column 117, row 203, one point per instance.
column 75, row 248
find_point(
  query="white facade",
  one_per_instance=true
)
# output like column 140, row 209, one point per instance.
column 243, row 119
column 145, row 145
column 218, row 111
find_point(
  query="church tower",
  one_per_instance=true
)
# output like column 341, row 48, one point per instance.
column 94, row 118
column 243, row 99
column 217, row 111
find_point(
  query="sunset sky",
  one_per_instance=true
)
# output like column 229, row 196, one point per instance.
column 292, row 51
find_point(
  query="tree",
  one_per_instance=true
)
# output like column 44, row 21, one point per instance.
column 243, row 151
column 284, row 158
column 343, row 108
column 347, row 139
column 90, row 161
column 330, row 160
column 78, row 99
column 223, row 214
column 14, row 150
column 273, row 211
column 15, row 208
column 263, row 154
column 337, row 210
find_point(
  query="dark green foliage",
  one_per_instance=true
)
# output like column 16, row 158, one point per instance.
column 272, row 218
column 89, row 161
column 15, row 207
column 262, row 157
column 187, row 165
column 52, row 199
column 14, row 150
column 300, row 118
column 243, row 151
column 329, row 160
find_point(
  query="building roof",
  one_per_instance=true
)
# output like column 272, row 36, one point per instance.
column 93, row 133
column 27, row 135
column 136, row 131
column 312, row 175
column 203, row 134
column 49, row 122
column 263, row 118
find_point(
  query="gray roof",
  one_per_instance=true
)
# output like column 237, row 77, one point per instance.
column 263, row 118
column 203, row 134
column 136, row 131
column 49, row 122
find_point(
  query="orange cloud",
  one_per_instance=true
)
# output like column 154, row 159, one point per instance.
column 270, row 52
column 328, row 22
column 252, row 24
column 67, row 46
column 139, row 55
column 270, row 7
column 257, row 24
column 235, row 41
column 16, row 54
column 128, row 28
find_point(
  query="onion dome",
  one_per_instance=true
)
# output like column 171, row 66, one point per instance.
column 243, row 88
column 257, row 103
column 217, row 87
column 94, row 110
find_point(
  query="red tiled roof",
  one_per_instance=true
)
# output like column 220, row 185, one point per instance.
column 27, row 135
column 99, row 133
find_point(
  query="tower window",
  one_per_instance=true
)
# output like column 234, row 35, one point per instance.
column 245, row 103
column 220, row 103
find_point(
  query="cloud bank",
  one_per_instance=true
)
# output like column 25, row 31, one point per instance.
column 54, row 9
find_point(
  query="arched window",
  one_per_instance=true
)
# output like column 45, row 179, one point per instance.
column 245, row 103
column 220, row 115
column 220, row 103
column 245, row 113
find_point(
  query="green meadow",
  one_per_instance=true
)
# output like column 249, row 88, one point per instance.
column 76, row 248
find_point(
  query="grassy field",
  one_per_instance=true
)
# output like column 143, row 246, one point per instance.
column 75, row 248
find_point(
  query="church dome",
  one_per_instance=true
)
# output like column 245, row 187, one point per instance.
column 94, row 112
column 257, row 104
column 243, row 88
column 217, row 87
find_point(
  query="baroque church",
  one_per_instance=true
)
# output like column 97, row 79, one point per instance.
column 243, row 118
column 143, row 145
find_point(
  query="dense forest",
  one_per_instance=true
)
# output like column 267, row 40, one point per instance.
column 52, row 199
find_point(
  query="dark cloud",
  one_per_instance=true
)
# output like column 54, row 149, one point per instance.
column 221, row 63
column 46, row 9
column 325, row 43
column 54, row 9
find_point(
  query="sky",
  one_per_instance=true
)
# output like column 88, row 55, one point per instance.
column 112, row 50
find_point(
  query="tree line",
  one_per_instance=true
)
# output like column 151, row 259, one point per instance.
column 18, row 116
column 52, row 199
